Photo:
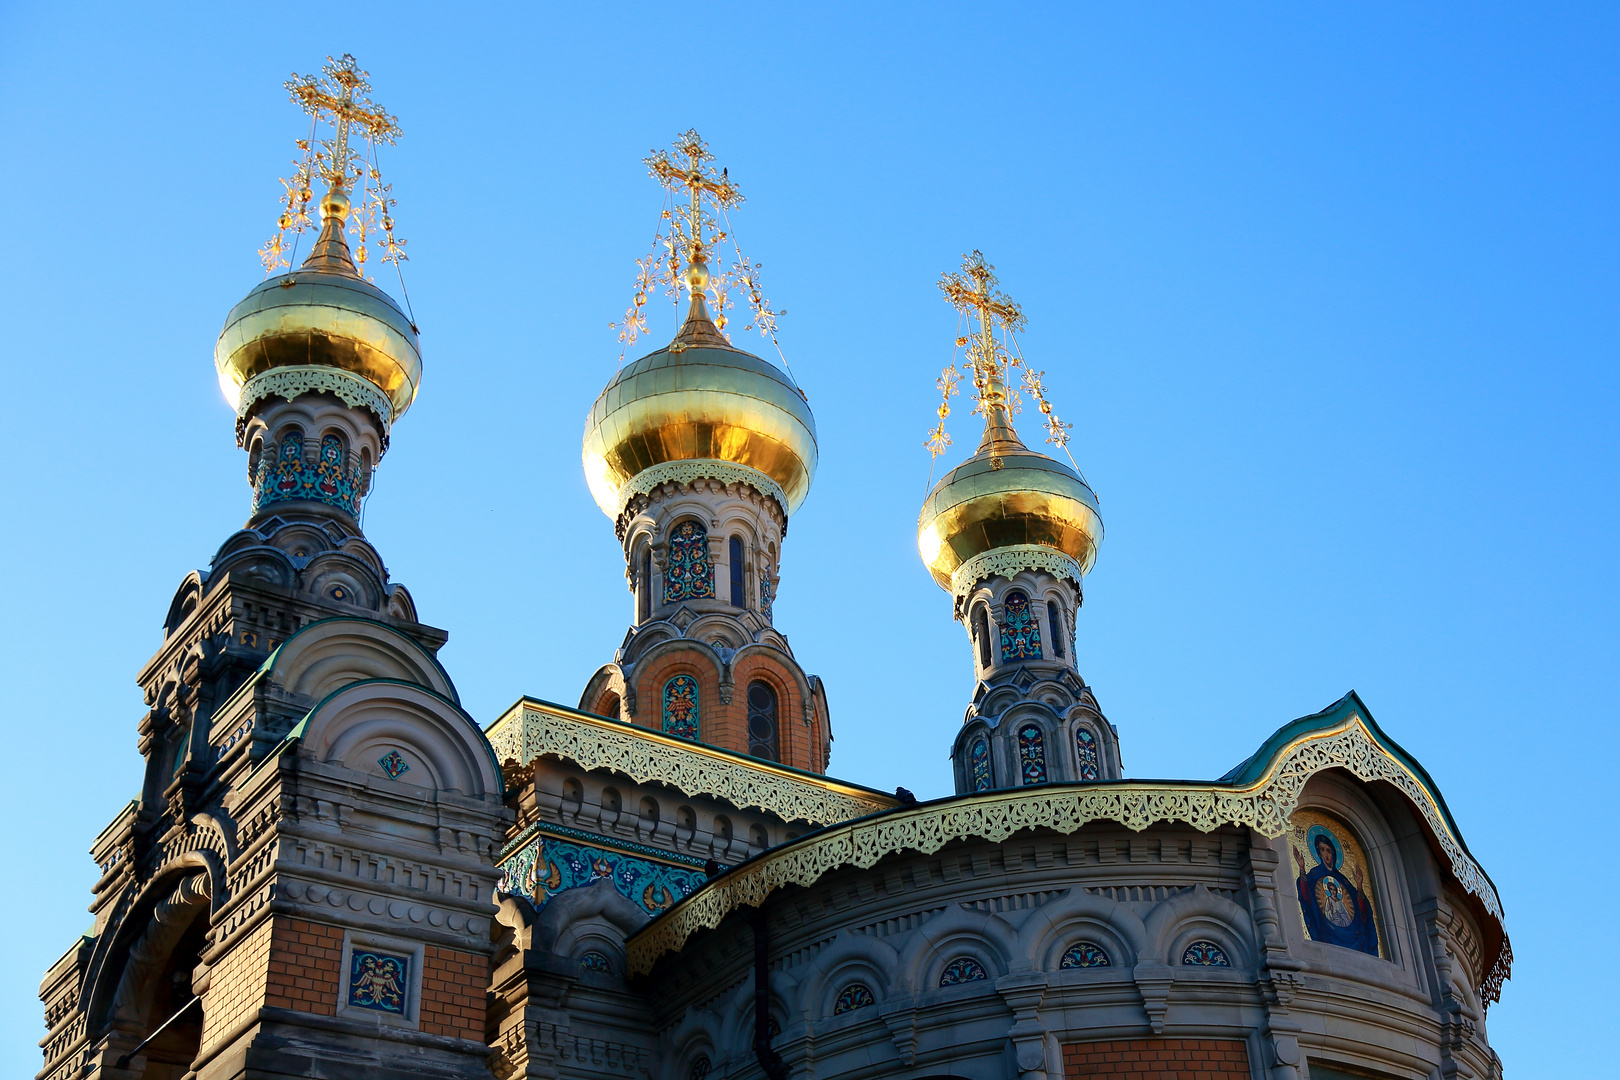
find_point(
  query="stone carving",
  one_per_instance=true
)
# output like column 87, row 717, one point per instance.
column 644, row 755
column 1264, row 806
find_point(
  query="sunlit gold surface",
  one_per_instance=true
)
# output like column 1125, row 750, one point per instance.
column 321, row 319
column 699, row 402
column 1029, row 499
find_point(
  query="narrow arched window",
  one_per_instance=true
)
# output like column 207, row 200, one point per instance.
column 1085, row 754
column 644, row 587
column 1031, row 754
column 981, row 634
column 762, row 738
column 681, row 707
column 1020, row 633
column 738, row 599
column 688, row 575
column 1054, row 624
column 979, row 764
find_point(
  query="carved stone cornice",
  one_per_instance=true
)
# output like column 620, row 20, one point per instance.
column 1264, row 805
column 532, row 729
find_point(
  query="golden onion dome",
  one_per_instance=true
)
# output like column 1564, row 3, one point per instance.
column 1007, row 498
column 699, row 400
column 322, row 326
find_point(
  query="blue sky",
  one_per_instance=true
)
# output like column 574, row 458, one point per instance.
column 1329, row 295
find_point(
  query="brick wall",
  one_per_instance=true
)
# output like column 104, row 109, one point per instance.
column 304, row 962
column 236, row 984
column 453, row 988
column 1158, row 1059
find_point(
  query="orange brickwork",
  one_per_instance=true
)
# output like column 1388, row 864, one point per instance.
column 236, row 984
column 726, row 725
column 453, row 986
column 305, row 959
column 1158, row 1059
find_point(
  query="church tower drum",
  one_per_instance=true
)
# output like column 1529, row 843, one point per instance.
column 310, row 855
column 1010, row 534
column 700, row 452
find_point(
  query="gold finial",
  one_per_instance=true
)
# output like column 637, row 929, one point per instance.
column 972, row 292
column 339, row 97
column 692, row 230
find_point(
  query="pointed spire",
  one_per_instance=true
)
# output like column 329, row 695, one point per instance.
column 699, row 331
column 331, row 255
column 999, row 435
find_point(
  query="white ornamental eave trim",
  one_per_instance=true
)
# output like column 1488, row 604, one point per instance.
column 532, row 729
column 684, row 472
column 1007, row 561
column 1264, row 806
column 290, row 383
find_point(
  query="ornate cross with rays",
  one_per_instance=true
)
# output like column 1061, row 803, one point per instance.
column 695, row 235
column 688, row 171
column 972, row 292
column 339, row 96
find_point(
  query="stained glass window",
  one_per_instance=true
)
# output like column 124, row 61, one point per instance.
column 1031, row 754
column 687, row 573
column 681, row 707
column 762, row 721
column 594, row 961
column 854, row 996
column 1020, row 633
column 1054, row 623
column 981, row 635
column 1084, row 954
column 963, row 969
column 700, row 1068
column 1205, row 954
column 1085, row 753
column 735, row 551
column 979, row 762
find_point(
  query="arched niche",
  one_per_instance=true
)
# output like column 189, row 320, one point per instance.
column 332, row 653
column 403, row 734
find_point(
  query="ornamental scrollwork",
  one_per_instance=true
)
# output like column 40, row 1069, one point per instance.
column 290, row 383
column 1264, row 806
column 1007, row 561
column 684, row 472
column 529, row 732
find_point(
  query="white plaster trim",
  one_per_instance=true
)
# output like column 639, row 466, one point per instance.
column 530, row 731
column 1264, row 806
column 1007, row 561
column 684, row 472
column 292, row 382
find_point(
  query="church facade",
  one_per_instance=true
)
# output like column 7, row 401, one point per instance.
column 333, row 870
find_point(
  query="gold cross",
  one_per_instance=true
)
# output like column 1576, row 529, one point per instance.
column 973, row 292
column 688, row 171
column 339, row 95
